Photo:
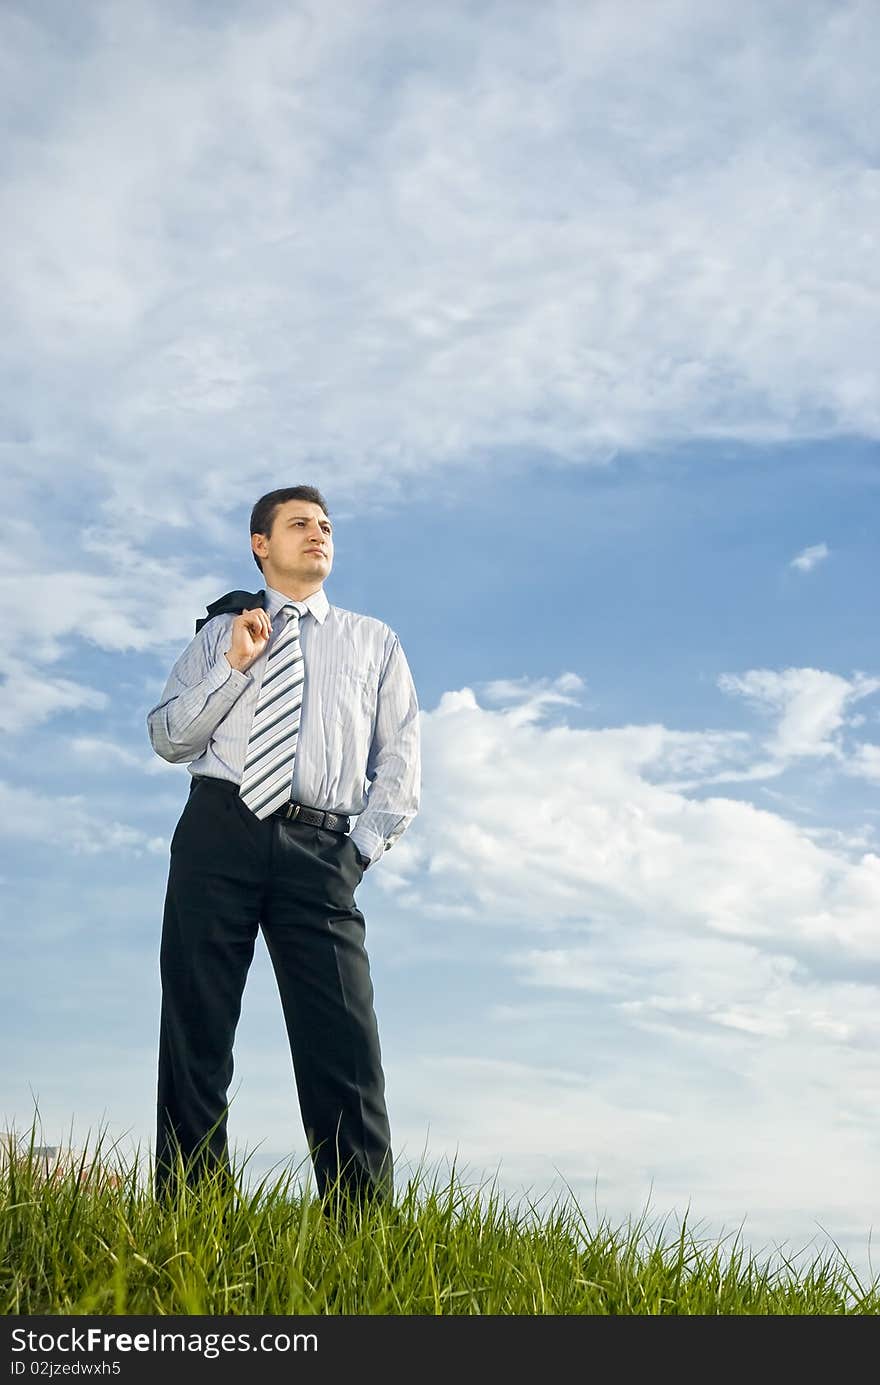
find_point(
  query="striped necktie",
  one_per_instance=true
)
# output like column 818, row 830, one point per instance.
column 268, row 767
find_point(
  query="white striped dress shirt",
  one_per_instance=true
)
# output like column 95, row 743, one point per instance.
column 358, row 750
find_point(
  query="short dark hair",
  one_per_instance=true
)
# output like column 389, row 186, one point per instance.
column 263, row 513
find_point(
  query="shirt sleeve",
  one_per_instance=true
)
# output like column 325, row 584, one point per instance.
column 200, row 690
column 394, row 761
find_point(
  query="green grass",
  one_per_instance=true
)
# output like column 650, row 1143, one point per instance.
column 93, row 1240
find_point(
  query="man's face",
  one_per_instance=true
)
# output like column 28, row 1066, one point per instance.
column 300, row 547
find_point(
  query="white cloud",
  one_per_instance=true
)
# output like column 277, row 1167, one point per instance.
column 555, row 826
column 381, row 240
column 100, row 755
column 673, row 981
column 26, row 701
column 368, row 243
column 746, row 1147
column 864, row 763
column 809, row 704
column 28, row 816
column 132, row 602
column 808, row 558
column 531, row 696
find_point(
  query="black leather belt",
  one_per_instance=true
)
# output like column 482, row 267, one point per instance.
column 315, row 817
column 295, row 812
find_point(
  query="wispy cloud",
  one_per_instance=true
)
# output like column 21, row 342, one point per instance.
column 808, row 704
column 864, row 762
column 114, row 598
column 100, row 755
column 529, row 699
column 26, row 701
column 594, row 229
column 74, row 823
column 809, row 558
column 615, row 1134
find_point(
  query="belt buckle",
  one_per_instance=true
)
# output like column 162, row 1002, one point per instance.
column 293, row 810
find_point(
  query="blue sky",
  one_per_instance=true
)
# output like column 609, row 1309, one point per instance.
column 573, row 320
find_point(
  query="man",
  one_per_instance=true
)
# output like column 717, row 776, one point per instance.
column 294, row 715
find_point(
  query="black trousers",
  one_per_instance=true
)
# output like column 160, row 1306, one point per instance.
column 229, row 875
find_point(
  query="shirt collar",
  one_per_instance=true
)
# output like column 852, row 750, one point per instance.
column 317, row 603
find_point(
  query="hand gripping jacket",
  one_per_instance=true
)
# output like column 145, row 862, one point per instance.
column 235, row 602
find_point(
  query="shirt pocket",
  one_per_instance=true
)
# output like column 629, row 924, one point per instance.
column 356, row 688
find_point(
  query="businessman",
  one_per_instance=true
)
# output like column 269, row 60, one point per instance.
column 293, row 716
